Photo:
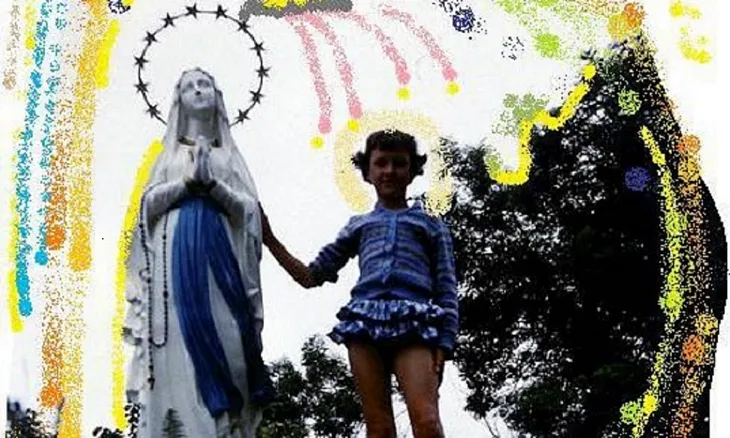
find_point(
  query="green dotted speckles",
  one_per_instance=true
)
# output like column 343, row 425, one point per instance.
column 548, row 45
column 518, row 109
column 629, row 102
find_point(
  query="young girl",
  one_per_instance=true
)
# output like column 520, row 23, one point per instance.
column 403, row 315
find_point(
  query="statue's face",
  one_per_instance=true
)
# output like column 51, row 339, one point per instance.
column 197, row 93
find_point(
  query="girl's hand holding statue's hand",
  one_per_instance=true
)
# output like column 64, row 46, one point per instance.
column 266, row 234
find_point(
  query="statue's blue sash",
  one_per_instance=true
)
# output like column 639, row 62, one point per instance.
column 201, row 240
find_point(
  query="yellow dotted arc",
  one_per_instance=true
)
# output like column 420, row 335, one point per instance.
column 123, row 248
column 521, row 174
column 638, row 413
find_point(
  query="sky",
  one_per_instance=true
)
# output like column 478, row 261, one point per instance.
column 296, row 182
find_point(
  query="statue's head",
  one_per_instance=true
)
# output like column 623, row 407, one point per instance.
column 197, row 93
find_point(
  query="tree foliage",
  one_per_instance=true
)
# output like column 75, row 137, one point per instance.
column 321, row 401
column 24, row 424
column 561, row 277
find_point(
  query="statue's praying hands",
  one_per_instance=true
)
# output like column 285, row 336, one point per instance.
column 198, row 176
column 205, row 175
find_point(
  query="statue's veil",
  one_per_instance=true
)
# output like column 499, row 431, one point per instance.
column 240, row 180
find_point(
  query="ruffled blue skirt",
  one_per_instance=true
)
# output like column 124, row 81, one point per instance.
column 389, row 321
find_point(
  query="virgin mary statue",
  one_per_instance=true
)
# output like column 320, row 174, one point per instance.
column 195, row 308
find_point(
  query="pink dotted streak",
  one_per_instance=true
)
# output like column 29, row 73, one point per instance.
column 353, row 102
column 426, row 38
column 401, row 68
column 315, row 67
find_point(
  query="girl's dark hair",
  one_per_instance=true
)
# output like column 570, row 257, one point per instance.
column 388, row 140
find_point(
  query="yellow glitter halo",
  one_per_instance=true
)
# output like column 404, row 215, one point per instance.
column 349, row 181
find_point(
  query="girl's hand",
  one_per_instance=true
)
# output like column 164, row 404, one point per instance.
column 266, row 234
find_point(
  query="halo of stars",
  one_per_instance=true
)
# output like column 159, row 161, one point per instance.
column 169, row 21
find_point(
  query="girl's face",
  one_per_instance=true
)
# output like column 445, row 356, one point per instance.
column 197, row 93
column 390, row 173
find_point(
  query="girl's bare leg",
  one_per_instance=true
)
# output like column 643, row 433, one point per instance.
column 414, row 368
column 373, row 382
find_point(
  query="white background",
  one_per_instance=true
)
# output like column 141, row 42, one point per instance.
column 295, row 182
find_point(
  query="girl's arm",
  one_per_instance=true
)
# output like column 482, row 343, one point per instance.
column 293, row 266
column 445, row 285
column 298, row 270
column 324, row 268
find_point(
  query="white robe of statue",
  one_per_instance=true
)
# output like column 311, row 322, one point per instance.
column 175, row 393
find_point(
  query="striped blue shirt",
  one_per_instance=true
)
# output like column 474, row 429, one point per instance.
column 404, row 254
